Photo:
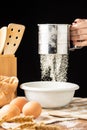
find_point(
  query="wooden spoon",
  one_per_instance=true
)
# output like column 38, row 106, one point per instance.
column 14, row 36
column 3, row 33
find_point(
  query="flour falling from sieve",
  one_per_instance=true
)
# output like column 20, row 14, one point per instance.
column 54, row 67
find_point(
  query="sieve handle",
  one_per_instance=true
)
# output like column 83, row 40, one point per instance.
column 75, row 47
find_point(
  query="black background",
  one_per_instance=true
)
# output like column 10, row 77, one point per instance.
column 32, row 13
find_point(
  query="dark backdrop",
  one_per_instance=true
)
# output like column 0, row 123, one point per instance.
column 28, row 68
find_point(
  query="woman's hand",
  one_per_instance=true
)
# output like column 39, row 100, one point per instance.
column 78, row 32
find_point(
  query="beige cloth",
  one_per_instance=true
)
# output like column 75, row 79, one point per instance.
column 76, row 109
column 8, row 87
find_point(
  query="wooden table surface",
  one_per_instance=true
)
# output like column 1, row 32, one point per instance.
column 77, row 109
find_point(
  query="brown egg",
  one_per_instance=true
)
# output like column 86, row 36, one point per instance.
column 8, row 111
column 19, row 101
column 32, row 108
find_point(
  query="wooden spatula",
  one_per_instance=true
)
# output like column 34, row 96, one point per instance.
column 3, row 33
column 14, row 36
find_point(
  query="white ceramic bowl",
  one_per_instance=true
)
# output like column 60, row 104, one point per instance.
column 50, row 94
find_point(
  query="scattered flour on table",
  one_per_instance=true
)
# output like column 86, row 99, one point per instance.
column 69, row 124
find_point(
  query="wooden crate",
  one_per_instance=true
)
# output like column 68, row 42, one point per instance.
column 8, row 65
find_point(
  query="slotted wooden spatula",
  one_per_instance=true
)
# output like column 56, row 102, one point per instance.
column 3, row 33
column 14, row 36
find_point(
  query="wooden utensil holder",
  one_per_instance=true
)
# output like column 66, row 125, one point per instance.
column 8, row 65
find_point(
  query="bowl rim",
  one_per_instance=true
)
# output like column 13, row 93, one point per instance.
column 25, row 86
